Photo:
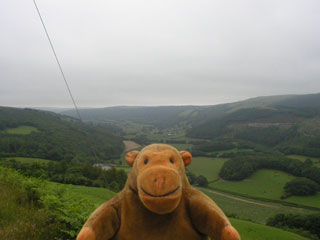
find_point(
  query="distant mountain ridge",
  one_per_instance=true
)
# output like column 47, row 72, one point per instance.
column 164, row 115
column 289, row 123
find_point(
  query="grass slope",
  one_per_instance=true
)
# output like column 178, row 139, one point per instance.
column 30, row 160
column 252, row 231
column 268, row 184
column 248, row 209
column 263, row 183
column 313, row 201
column 93, row 194
column 316, row 161
column 208, row 167
column 22, row 130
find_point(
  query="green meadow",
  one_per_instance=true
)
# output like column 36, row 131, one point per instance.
column 316, row 161
column 253, row 231
column 248, row 209
column 266, row 183
column 313, row 201
column 30, row 160
column 22, row 130
column 93, row 194
column 208, row 167
column 263, row 183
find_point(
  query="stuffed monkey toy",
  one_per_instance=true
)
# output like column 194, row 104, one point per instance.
column 158, row 203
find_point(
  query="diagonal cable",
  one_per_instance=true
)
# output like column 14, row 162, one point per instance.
column 57, row 59
column 61, row 70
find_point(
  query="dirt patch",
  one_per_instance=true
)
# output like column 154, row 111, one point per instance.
column 129, row 145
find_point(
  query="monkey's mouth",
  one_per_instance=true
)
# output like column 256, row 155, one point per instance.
column 163, row 195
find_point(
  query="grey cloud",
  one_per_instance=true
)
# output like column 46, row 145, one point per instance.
column 158, row 52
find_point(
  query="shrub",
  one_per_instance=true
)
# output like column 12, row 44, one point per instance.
column 310, row 223
column 301, row 187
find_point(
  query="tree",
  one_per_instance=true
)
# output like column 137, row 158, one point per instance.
column 301, row 187
column 308, row 162
column 202, row 181
column 191, row 177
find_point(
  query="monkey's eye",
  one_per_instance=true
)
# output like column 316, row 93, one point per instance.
column 146, row 161
column 171, row 160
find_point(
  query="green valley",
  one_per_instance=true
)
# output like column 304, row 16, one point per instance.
column 247, row 152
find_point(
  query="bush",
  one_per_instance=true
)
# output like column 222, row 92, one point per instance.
column 301, row 187
column 72, row 173
column 197, row 180
column 202, row 181
column 310, row 223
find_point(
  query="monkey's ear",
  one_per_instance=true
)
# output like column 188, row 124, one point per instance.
column 186, row 157
column 131, row 157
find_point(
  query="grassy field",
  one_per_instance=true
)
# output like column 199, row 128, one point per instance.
column 208, row 167
column 316, row 161
column 248, row 209
column 234, row 150
column 313, row 201
column 127, row 169
column 268, row 184
column 22, row 130
column 30, row 160
column 95, row 195
column 263, row 183
column 252, row 231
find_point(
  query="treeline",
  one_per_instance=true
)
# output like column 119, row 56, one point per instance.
column 214, row 128
column 302, row 149
column 240, row 168
column 72, row 173
column 208, row 148
column 213, row 148
column 269, row 136
column 143, row 139
column 58, row 137
column 302, row 224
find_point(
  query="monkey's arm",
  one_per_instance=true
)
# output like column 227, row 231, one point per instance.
column 209, row 219
column 101, row 225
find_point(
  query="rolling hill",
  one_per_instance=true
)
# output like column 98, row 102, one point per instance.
column 289, row 123
column 40, row 134
column 165, row 115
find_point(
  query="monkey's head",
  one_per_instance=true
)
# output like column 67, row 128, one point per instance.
column 158, row 176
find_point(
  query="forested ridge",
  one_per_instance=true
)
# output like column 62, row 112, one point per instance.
column 289, row 130
column 55, row 137
column 287, row 123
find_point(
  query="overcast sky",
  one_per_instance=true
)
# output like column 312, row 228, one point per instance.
column 164, row 52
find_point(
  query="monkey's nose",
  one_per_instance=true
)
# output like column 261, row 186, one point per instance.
column 159, row 181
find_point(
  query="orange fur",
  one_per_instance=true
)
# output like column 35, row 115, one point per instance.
column 86, row 234
column 158, row 203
